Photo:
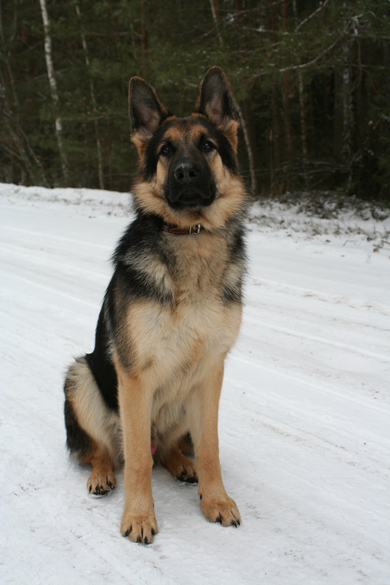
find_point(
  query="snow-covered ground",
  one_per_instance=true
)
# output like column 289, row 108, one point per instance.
column 304, row 418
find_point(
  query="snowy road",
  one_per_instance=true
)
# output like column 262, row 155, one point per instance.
column 304, row 421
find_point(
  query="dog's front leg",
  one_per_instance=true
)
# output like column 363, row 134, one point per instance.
column 215, row 503
column 138, row 520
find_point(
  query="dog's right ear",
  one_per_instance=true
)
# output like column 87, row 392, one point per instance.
column 146, row 112
column 215, row 101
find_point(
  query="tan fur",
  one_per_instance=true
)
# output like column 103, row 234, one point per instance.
column 178, row 464
column 183, row 342
column 199, row 323
column 135, row 403
column 141, row 139
column 102, row 478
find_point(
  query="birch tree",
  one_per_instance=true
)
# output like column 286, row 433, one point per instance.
column 53, row 89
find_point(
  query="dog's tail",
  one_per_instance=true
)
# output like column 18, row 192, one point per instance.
column 89, row 422
column 78, row 441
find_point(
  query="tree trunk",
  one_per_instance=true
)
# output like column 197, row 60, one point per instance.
column 287, row 109
column 347, row 103
column 94, row 108
column 253, row 187
column 302, row 114
column 277, row 185
column 347, row 106
column 144, row 37
column 248, row 148
column 53, row 89
column 15, row 143
column 214, row 13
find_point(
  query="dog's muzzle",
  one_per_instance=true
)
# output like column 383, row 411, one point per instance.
column 189, row 186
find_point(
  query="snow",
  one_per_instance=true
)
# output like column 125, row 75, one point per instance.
column 304, row 417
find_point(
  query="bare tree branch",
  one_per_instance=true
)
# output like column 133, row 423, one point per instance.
column 321, row 7
column 310, row 63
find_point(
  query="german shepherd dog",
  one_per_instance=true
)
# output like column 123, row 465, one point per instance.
column 149, row 391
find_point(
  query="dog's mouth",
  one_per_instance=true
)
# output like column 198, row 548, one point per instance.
column 189, row 198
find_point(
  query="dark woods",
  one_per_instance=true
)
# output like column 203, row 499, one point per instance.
column 311, row 82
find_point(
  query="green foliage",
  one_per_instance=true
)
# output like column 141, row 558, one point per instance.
column 312, row 80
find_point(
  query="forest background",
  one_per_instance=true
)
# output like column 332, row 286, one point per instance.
column 311, row 82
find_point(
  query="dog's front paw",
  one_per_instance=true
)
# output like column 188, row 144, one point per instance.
column 139, row 527
column 222, row 510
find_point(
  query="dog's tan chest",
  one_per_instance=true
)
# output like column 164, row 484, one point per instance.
column 175, row 350
column 198, row 326
column 176, row 336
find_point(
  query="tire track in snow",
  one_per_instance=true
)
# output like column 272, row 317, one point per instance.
column 51, row 237
column 47, row 288
column 325, row 297
column 325, row 388
column 18, row 257
column 316, row 338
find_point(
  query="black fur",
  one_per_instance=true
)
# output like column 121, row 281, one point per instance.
column 233, row 294
column 77, row 441
column 99, row 360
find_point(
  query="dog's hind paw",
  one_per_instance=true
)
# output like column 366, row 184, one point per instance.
column 187, row 472
column 188, row 476
column 99, row 485
column 180, row 466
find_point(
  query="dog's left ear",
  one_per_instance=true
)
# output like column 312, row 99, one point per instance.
column 215, row 101
column 146, row 111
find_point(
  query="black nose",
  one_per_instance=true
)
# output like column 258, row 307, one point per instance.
column 186, row 173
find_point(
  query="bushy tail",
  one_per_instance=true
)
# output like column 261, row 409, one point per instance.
column 78, row 441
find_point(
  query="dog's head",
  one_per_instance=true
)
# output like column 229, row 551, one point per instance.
column 188, row 166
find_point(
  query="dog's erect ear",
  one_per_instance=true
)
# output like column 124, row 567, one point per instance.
column 215, row 101
column 146, row 112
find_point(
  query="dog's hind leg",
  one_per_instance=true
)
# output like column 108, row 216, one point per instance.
column 186, row 445
column 102, row 478
column 179, row 465
column 87, row 450
column 92, row 429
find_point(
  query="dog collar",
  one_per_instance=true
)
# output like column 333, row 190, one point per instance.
column 194, row 229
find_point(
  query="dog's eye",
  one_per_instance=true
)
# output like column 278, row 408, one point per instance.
column 166, row 150
column 207, row 146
